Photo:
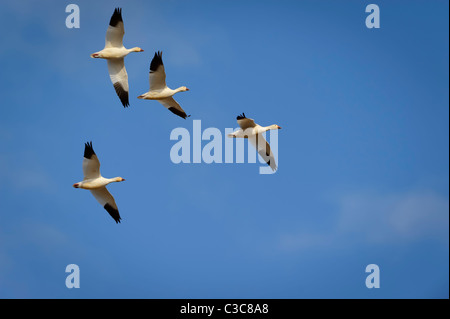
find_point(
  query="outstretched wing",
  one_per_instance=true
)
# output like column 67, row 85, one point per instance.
column 119, row 78
column 244, row 122
column 91, row 164
column 173, row 107
column 115, row 31
column 107, row 201
column 157, row 75
column 263, row 148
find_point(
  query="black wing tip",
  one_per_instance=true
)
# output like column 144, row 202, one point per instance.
column 274, row 167
column 268, row 163
column 116, row 17
column 156, row 61
column 88, row 150
column 182, row 114
column 241, row 116
column 113, row 212
column 122, row 94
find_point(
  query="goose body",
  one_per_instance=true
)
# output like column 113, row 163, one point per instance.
column 114, row 52
column 160, row 91
column 249, row 129
column 96, row 183
column 161, row 94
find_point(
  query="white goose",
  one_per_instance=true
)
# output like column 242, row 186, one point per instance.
column 114, row 52
column 97, row 183
column 249, row 129
column 159, row 90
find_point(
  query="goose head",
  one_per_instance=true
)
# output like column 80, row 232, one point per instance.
column 274, row 127
column 183, row 89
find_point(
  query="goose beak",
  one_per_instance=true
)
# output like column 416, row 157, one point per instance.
column 187, row 89
column 123, row 179
column 75, row 185
column 279, row 127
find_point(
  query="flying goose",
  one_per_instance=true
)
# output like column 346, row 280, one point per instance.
column 97, row 183
column 249, row 129
column 114, row 52
column 159, row 90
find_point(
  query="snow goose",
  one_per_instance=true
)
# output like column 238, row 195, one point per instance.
column 249, row 129
column 159, row 90
column 96, row 183
column 114, row 52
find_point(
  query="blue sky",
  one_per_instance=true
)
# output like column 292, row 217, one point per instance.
column 363, row 153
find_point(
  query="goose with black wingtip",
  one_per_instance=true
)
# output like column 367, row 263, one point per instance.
column 249, row 129
column 96, row 183
column 159, row 90
column 114, row 52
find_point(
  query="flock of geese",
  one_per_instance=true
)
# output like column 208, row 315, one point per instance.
column 114, row 52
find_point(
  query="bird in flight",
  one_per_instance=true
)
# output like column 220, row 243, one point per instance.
column 159, row 90
column 114, row 52
column 96, row 183
column 249, row 129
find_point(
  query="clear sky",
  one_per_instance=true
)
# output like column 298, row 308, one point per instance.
column 363, row 152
